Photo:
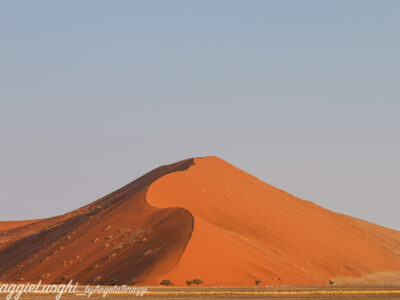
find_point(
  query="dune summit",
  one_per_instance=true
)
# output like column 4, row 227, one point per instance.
column 200, row 218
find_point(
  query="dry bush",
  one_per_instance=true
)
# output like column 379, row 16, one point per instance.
column 166, row 282
column 197, row 281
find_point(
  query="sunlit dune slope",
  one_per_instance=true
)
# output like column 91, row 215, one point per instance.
column 247, row 230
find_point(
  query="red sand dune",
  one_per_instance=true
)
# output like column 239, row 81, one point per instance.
column 200, row 218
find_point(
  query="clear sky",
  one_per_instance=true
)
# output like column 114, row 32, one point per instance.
column 304, row 95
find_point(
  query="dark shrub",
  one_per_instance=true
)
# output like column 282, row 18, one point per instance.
column 166, row 282
column 197, row 281
column 113, row 280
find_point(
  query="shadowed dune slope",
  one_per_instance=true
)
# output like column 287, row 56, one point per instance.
column 247, row 230
column 199, row 218
column 117, row 239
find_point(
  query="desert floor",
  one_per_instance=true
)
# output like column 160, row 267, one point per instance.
column 170, row 293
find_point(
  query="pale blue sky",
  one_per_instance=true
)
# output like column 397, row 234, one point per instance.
column 304, row 95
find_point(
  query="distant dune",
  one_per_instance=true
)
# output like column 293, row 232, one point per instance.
column 200, row 218
column 5, row 225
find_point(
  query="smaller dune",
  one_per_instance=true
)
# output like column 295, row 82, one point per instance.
column 6, row 225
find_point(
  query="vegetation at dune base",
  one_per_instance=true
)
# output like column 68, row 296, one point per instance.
column 166, row 282
column 195, row 281
column 257, row 282
column 331, row 282
column 113, row 280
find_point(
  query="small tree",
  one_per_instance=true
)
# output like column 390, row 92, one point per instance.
column 189, row 282
column 331, row 282
column 166, row 282
column 257, row 282
column 197, row 281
